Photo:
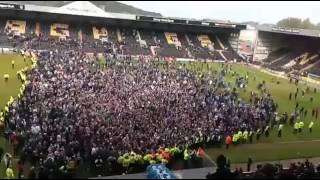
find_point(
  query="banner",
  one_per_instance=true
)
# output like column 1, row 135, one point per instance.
column 16, row 27
column 99, row 33
column 59, row 30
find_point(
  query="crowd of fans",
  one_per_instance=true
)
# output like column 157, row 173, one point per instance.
column 75, row 110
column 296, row 170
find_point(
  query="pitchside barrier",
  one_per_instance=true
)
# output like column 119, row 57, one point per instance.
column 7, row 50
column 311, row 79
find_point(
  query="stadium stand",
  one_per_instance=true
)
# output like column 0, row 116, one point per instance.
column 132, row 43
column 296, row 170
column 3, row 36
column 287, row 53
column 307, row 63
column 165, row 49
column 315, row 69
column 198, row 51
column 148, row 37
column 277, row 54
column 31, row 28
column 126, row 41
column 205, row 41
column 93, row 41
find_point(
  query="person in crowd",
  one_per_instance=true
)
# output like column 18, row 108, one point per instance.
column 9, row 173
column 7, row 160
column 249, row 163
column 280, row 130
column 1, row 152
column 12, row 64
column 310, row 126
column 20, row 169
column 290, row 96
column 222, row 171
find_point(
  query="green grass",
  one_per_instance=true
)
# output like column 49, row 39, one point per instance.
column 267, row 149
column 10, row 88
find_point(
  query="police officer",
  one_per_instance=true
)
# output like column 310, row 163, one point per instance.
column 235, row 139
column 258, row 134
column 296, row 127
column 280, row 130
column 310, row 126
column 290, row 96
column 301, row 125
column 266, row 131
column 240, row 136
column 245, row 135
column 251, row 136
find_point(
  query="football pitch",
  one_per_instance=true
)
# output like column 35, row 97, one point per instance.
column 289, row 146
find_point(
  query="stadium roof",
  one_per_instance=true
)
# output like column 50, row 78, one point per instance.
column 81, row 8
column 85, row 11
column 290, row 31
column 108, row 6
column 86, row 8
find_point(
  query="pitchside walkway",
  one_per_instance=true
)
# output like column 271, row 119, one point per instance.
column 285, row 163
column 199, row 173
column 202, row 172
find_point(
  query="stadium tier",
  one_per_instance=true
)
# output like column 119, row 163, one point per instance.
column 288, row 53
column 123, row 40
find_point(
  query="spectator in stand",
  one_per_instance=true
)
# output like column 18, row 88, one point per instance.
column 222, row 171
column 299, row 170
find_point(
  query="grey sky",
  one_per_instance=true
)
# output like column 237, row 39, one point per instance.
column 239, row 11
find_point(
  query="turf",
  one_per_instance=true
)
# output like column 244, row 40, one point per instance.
column 10, row 88
column 289, row 146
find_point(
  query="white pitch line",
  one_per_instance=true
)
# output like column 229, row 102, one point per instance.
column 293, row 142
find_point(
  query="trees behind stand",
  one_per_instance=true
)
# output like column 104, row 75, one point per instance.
column 292, row 22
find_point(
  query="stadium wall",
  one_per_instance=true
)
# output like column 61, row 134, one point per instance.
column 6, row 50
column 312, row 78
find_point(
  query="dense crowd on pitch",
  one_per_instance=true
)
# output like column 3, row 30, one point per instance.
column 295, row 170
column 73, row 110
